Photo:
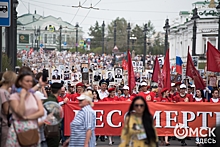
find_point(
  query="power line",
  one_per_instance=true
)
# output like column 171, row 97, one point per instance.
column 24, row 5
column 85, row 17
column 116, row 10
column 97, row 3
column 77, row 12
column 99, row 18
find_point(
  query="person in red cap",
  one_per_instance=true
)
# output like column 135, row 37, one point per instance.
column 215, row 96
column 112, row 96
column 165, row 98
column 79, row 91
column 177, row 85
column 183, row 96
column 145, row 93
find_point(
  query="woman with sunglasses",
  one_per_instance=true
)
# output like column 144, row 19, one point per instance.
column 83, row 125
column 138, row 128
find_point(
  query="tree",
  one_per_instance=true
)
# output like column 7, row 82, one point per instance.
column 138, row 32
column 158, row 45
column 96, row 33
column 121, row 34
column 6, row 63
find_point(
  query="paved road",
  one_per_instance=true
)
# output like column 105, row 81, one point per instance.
column 174, row 143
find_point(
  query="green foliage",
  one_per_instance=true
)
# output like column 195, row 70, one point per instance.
column 96, row 33
column 19, row 63
column 158, row 46
column 6, row 63
column 121, row 34
column 97, row 50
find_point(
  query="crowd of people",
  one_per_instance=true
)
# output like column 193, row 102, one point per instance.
column 23, row 94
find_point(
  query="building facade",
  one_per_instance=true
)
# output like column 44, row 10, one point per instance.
column 181, row 31
column 36, row 31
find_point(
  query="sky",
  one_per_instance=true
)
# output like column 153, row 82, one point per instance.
column 134, row 11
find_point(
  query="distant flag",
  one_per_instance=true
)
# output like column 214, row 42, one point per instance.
column 124, row 64
column 156, row 71
column 131, row 77
column 179, row 63
column 192, row 72
column 213, row 58
column 166, row 72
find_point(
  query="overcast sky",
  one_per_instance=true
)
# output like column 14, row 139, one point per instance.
column 135, row 11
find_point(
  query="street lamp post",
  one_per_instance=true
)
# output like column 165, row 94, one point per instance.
column 194, row 18
column 115, row 33
column 145, row 43
column 77, row 26
column 128, row 39
column 218, row 9
column 133, row 39
column 14, row 54
column 103, row 36
column 166, row 29
column 60, row 38
column 37, row 35
column 0, row 49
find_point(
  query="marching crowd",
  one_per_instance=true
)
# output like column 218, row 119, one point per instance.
column 23, row 94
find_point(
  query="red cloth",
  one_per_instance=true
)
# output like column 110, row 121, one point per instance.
column 124, row 64
column 111, row 99
column 60, row 99
column 156, row 71
column 147, row 96
column 123, row 98
column 202, row 100
column 74, row 96
column 192, row 72
column 211, row 101
column 131, row 77
column 163, row 99
column 213, row 56
column 178, row 98
column 166, row 72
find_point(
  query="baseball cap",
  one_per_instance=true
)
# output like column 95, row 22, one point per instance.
column 84, row 97
column 182, row 86
column 125, row 87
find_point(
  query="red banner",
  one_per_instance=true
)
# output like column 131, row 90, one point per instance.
column 110, row 116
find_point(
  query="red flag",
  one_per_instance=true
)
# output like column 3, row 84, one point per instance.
column 156, row 71
column 124, row 64
column 131, row 77
column 166, row 72
column 192, row 72
column 213, row 58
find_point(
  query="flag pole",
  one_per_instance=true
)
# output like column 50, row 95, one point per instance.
column 207, row 78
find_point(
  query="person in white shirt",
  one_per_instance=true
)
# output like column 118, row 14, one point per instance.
column 103, row 92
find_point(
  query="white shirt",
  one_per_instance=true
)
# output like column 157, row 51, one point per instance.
column 102, row 94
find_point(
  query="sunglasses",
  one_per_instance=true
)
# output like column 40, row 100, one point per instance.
column 139, row 105
column 81, row 100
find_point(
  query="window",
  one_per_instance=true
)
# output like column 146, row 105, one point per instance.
column 54, row 38
column 45, row 38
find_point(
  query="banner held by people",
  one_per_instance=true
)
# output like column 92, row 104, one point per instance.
column 110, row 116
